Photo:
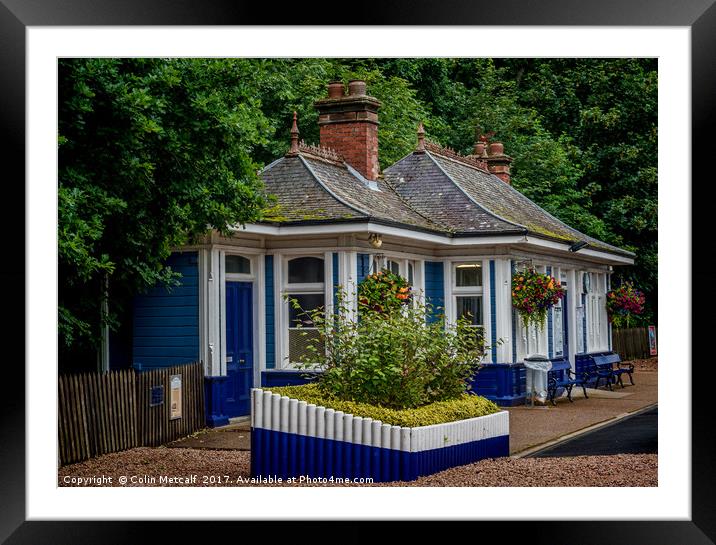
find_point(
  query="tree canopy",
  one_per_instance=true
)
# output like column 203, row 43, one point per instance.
column 154, row 152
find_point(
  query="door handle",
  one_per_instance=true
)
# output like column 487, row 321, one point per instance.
column 242, row 361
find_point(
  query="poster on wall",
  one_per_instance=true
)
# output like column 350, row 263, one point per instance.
column 652, row 340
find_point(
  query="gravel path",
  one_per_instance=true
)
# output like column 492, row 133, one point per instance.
column 648, row 364
column 145, row 466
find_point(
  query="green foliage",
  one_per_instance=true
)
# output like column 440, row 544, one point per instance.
column 384, row 291
column 463, row 407
column 152, row 153
column 393, row 359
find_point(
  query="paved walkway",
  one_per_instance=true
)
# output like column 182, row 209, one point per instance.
column 637, row 434
column 529, row 427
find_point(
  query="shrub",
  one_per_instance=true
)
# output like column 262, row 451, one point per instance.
column 392, row 358
column 439, row 412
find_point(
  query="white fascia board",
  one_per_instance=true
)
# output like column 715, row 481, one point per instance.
column 369, row 227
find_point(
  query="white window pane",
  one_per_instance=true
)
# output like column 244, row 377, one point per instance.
column 394, row 267
column 237, row 264
column 305, row 270
column 468, row 274
column 470, row 308
column 410, row 273
column 308, row 303
column 299, row 341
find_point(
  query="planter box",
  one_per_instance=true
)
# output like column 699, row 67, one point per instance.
column 291, row 438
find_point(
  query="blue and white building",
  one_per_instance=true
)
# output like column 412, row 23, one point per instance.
column 452, row 224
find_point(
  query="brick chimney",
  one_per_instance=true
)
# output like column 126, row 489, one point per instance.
column 349, row 125
column 497, row 162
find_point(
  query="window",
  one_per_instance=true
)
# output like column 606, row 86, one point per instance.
column 411, row 273
column 306, row 286
column 468, row 294
column 558, row 329
column 236, row 264
column 393, row 266
column 468, row 275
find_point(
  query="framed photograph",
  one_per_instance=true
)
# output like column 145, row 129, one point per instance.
column 36, row 39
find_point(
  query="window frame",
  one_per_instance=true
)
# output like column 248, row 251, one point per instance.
column 469, row 291
column 307, row 288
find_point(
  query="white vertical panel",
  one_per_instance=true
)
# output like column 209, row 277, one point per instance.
column 268, row 404
column 357, row 430
column 293, row 416
column 320, row 422
column 302, row 418
column 348, row 428
column 376, row 426
column 367, row 432
column 339, row 418
column 257, row 407
column 385, row 436
column 275, row 412
column 395, row 441
column 283, row 424
column 311, row 420
column 330, row 415
column 405, row 439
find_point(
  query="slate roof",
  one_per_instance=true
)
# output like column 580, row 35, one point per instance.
column 428, row 191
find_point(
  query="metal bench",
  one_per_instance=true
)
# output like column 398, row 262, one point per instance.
column 608, row 366
column 562, row 376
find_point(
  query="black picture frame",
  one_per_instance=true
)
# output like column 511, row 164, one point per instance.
column 16, row 15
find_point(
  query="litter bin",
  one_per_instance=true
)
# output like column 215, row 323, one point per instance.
column 536, row 367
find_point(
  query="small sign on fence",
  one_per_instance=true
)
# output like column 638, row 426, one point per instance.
column 175, row 397
column 652, row 340
column 156, row 396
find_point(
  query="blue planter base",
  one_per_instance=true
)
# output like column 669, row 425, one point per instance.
column 283, row 455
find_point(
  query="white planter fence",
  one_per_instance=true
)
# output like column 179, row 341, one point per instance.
column 292, row 438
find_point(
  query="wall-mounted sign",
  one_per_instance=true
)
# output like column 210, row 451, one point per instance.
column 652, row 340
column 156, row 396
column 175, row 397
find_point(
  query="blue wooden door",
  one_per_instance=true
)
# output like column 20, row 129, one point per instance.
column 565, row 325
column 239, row 348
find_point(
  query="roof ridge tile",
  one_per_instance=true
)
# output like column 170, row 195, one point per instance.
column 450, row 153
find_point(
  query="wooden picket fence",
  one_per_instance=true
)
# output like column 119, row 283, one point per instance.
column 632, row 342
column 103, row 413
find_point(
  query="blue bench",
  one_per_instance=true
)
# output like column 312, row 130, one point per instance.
column 562, row 376
column 608, row 366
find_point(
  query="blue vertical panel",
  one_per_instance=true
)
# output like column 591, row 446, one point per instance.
column 363, row 266
column 514, row 316
column 239, row 348
column 335, row 282
column 550, row 327
column 435, row 288
column 270, row 313
column 493, row 312
column 165, row 329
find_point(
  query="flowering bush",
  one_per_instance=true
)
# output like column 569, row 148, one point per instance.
column 623, row 303
column 533, row 294
column 393, row 358
column 383, row 292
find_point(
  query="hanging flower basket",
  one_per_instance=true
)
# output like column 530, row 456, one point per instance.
column 533, row 294
column 623, row 304
column 383, row 292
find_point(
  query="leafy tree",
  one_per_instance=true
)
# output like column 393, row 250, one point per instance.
column 152, row 153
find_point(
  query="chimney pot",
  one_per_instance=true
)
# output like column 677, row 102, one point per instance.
column 496, row 148
column 356, row 88
column 336, row 89
column 480, row 149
